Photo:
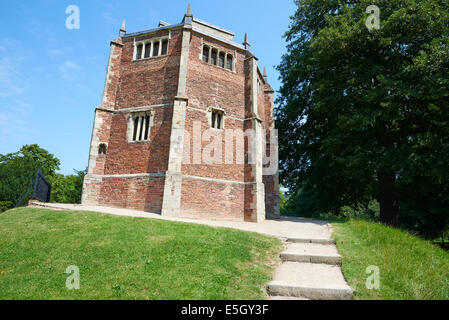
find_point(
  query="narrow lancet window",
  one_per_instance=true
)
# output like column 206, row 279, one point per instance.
column 206, row 54
column 156, row 49
column 164, row 47
column 147, row 50
column 229, row 61
column 221, row 60
column 136, row 124
column 217, row 119
column 139, row 51
column 147, row 127
column 141, row 123
column 214, row 57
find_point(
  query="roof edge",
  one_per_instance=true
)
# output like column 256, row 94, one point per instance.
column 207, row 24
column 221, row 39
column 138, row 33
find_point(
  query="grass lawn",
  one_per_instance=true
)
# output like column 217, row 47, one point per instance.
column 410, row 268
column 129, row 258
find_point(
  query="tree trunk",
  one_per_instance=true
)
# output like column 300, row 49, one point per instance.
column 388, row 198
column 386, row 179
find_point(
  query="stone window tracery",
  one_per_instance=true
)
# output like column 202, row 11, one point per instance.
column 139, row 126
column 151, row 48
column 217, row 58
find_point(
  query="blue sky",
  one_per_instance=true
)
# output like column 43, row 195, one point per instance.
column 52, row 78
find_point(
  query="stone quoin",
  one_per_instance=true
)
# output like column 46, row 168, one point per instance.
column 160, row 85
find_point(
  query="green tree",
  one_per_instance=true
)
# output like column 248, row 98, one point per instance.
column 67, row 189
column 362, row 112
column 18, row 170
column 283, row 202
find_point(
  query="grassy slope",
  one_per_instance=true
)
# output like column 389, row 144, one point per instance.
column 410, row 268
column 128, row 258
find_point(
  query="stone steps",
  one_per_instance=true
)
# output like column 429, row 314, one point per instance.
column 312, row 253
column 310, row 258
column 285, row 298
column 312, row 293
column 317, row 241
column 310, row 269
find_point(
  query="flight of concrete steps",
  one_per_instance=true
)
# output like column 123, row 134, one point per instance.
column 310, row 269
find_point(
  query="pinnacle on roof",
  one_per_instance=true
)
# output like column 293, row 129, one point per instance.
column 246, row 43
column 189, row 11
column 123, row 29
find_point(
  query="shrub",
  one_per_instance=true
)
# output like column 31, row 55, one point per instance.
column 369, row 212
column 6, row 205
column 67, row 188
column 430, row 223
column 304, row 203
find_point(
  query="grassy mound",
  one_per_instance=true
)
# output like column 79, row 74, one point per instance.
column 128, row 258
column 409, row 267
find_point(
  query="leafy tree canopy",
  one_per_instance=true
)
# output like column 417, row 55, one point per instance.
column 365, row 112
column 18, row 170
column 67, row 188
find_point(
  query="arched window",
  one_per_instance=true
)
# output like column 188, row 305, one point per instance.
column 136, row 125
column 221, row 60
column 217, row 58
column 147, row 127
column 164, row 47
column 217, row 119
column 155, row 48
column 139, row 51
column 213, row 59
column 229, row 62
column 206, row 54
column 151, row 48
column 140, row 126
column 102, row 148
column 147, row 50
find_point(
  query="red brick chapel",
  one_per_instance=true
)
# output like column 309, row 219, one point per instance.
column 169, row 92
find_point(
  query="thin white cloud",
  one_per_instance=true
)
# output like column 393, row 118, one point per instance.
column 19, row 107
column 12, row 56
column 14, row 109
column 12, row 126
column 58, row 52
column 10, row 78
column 111, row 13
column 69, row 70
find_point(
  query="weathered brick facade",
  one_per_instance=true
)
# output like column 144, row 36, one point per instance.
column 169, row 172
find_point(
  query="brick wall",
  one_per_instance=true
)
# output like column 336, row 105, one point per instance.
column 212, row 199
column 140, row 193
column 139, row 157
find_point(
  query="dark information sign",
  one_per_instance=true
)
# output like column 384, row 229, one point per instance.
column 42, row 188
